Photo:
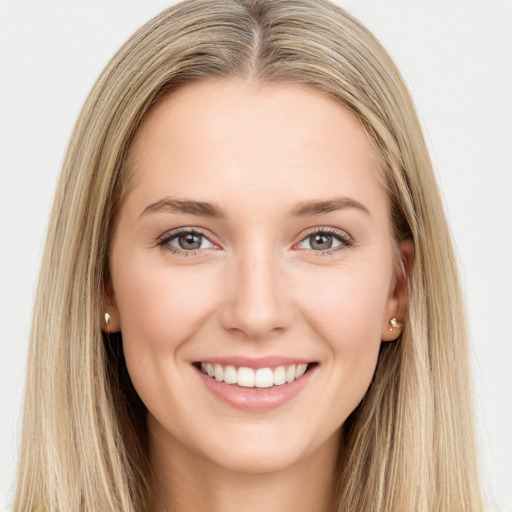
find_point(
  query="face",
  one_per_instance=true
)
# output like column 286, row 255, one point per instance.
column 254, row 243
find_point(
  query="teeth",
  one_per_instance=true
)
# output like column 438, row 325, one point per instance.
column 301, row 369
column 264, row 378
column 279, row 376
column 219, row 372
column 230, row 375
column 249, row 378
column 246, row 377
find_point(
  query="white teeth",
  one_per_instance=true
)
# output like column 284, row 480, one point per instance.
column 264, row 378
column 301, row 369
column 230, row 375
column 249, row 378
column 219, row 372
column 279, row 376
column 246, row 377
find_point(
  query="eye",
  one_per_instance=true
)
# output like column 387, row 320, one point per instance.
column 185, row 241
column 324, row 240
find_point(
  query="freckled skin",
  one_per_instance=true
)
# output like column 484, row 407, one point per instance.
column 256, row 287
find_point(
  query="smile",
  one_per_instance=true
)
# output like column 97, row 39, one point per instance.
column 268, row 384
column 254, row 378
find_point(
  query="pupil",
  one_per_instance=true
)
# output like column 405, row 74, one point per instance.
column 190, row 241
column 321, row 241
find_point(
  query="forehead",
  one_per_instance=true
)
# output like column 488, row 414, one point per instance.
column 242, row 136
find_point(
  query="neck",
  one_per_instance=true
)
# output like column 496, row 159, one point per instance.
column 187, row 482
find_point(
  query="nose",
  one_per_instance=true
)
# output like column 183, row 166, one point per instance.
column 256, row 302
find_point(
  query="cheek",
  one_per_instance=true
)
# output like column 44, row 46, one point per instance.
column 160, row 309
column 159, row 306
column 347, row 304
column 347, row 319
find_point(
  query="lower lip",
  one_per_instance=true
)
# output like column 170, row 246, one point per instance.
column 256, row 399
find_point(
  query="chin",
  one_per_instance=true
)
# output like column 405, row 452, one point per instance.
column 259, row 449
column 256, row 462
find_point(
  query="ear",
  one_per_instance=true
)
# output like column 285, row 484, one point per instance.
column 110, row 309
column 398, row 299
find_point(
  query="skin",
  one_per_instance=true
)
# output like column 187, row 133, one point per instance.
column 257, row 286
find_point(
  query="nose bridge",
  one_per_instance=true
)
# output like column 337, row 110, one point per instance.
column 256, row 302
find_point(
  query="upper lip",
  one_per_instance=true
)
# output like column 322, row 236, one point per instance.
column 255, row 362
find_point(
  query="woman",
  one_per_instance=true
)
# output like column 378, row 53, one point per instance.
column 249, row 296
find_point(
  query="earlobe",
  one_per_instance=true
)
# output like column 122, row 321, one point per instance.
column 110, row 320
column 392, row 330
column 109, row 317
column 393, row 324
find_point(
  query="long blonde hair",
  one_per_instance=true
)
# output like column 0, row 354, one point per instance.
column 409, row 444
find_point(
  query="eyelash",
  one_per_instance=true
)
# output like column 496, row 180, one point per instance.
column 345, row 241
column 164, row 242
column 343, row 238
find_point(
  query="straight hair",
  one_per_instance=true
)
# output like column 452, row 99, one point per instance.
column 409, row 445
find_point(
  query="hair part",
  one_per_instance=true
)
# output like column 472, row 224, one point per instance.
column 409, row 444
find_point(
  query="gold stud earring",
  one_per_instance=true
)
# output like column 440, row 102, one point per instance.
column 107, row 321
column 394, row 324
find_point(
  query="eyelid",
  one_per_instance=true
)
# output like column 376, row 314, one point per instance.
column 163, row 241
column 345, row 239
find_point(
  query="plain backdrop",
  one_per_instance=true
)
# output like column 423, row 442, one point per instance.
column 456, row 57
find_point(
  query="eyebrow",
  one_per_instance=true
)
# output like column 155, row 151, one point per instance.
column 185, row 206
column 207, row 209
column 319, row 207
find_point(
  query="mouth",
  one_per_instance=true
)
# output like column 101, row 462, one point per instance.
column 262, row 378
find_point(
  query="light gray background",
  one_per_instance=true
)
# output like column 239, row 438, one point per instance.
column 456, row 57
